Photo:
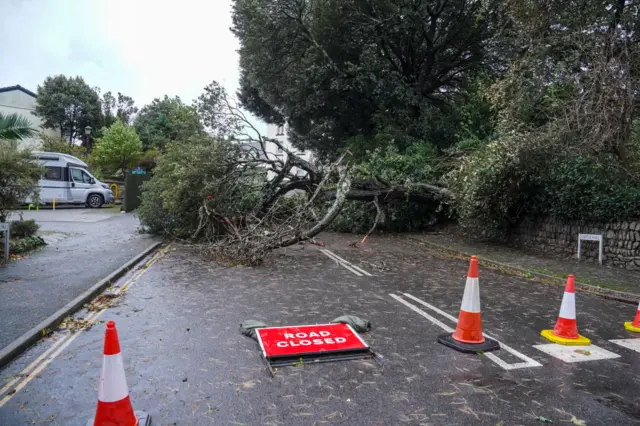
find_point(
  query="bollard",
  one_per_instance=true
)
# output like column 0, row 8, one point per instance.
column 54, row 203
column 116, row 192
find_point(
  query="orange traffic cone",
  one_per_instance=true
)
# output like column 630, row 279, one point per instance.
column 635, row 325
column 114, row 405
column 468, row 335
column 566, row 330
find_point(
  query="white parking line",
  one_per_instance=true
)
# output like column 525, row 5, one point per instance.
column 633, row 344
column 330, row 256
column 345, row 262
column 576, row 353
column 423, row 313
column 528, row 362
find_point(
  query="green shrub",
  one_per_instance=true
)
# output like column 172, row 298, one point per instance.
column 389, row 165
column 498, row 184
column 397, row 216
column 24, row 228
column 26, row 244
column 19, row 177
column 582, row 187
column 524, row 175
column 193, row 173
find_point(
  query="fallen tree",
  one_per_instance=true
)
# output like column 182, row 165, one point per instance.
column 241, row 201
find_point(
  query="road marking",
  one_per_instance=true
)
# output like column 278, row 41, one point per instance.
column 528, row 362
column 362, row 271
column 330, row 256
column 576, row 353
column 35, row 362
column 45, row 359
column 423, row 313
column 142, row 270
column 43, row 365
column 633, row 344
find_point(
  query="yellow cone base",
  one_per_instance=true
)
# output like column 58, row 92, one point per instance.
column 580, row 341
column 629, row 327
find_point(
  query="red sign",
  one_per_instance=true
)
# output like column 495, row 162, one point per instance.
column 309, row 339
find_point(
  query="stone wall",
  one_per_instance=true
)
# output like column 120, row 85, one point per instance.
column 621, row 240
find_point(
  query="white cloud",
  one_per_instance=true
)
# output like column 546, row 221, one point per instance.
column 143, row 48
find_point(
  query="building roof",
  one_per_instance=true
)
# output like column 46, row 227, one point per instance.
column 17, row 87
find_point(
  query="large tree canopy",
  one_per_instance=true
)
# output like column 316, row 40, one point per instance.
column 120, row 108
column 166, row 120
column 70, row 104
column 340, row 68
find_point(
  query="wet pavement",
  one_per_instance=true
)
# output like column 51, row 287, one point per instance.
column 187, row 363
column 84, row 246
column 586, row 271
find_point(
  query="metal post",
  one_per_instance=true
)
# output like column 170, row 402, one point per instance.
column 600, row 253
column 579, row 246
column 7, row 234
column 4, row 227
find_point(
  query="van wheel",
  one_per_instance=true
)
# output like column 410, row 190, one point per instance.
column 95, row 201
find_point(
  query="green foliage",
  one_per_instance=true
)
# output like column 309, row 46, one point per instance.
column 211, row 107
column 26, row 244
column 534, row 175
column 346, row 68
column 15, row 127
column 494, row 185
column 397, row 216
column 118, row 149
column 166, row 120
column 55, row 144
column 19, row 178
column 149, row 159
column 590, row 188
column 120, row 108
column 388, row 165
column 564, row 140
column 70, row 104
column 24, row 228
column 190, row 174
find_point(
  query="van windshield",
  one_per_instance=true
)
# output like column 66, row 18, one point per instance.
column 80, row 176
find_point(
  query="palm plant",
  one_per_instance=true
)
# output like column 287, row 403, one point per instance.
column 15, row 127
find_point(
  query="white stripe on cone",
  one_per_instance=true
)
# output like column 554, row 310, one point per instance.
column 113, row 383
column 471, row 297
column 568, row 307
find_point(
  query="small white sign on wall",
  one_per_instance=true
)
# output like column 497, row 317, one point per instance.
column 591, row 237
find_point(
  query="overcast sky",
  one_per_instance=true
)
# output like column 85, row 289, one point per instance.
column 142, row 48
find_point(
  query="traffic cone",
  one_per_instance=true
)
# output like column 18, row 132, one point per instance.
column 468, row 335
column 635, row 325
column 566, row 330
column 114, row 406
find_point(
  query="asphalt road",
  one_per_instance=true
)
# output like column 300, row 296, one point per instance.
column 85, row 245
column 187, row 364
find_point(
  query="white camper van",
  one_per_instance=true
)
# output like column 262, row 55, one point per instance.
column 68, row 180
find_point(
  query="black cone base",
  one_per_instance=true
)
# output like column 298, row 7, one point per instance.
column 468, row 348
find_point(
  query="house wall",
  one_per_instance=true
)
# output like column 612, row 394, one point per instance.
column 18, row 102
column 280, row 133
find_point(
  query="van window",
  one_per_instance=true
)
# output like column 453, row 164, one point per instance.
column 53, row 173
column 80, row 176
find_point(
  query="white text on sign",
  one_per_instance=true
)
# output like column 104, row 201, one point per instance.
column 304, row 339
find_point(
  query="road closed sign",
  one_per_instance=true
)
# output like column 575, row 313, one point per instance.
column 305, row 340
